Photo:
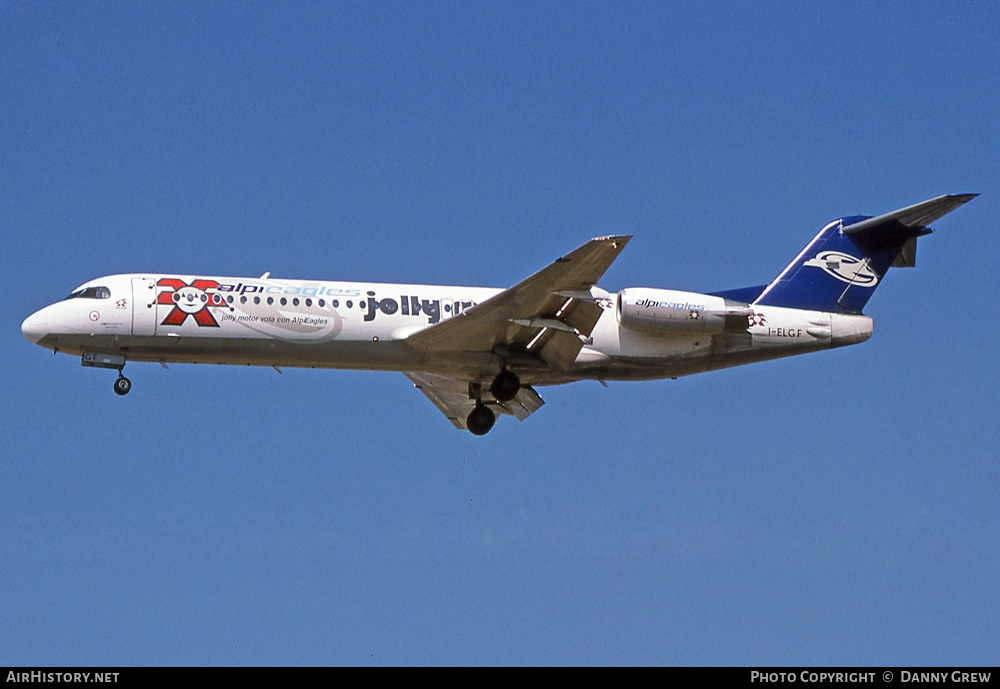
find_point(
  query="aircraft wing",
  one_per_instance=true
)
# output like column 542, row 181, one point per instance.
column 451, row 396
column 549, row 316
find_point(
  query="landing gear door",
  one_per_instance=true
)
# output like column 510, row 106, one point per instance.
column 143, row 307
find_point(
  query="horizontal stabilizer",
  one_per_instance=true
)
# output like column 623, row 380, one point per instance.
column 914, row 217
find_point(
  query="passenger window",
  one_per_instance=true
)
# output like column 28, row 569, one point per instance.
column 295, row 301
column 270, row 300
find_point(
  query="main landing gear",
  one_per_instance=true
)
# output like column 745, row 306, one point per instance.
column 504, row 388
column 480, row 419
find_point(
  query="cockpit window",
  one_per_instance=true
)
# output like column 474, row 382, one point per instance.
column 91, row 293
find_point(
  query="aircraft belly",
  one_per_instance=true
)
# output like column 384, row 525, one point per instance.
column 673, row 357
column 343, row 354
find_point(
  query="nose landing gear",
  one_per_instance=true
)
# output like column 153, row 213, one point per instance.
column 122, row 385
column 115, row 361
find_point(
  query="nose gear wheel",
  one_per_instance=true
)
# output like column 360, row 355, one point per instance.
column 122, row 385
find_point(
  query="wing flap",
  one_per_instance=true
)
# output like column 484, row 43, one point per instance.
column 558, row 346
column 524, row 405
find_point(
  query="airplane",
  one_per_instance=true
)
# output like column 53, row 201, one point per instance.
column 477, row 352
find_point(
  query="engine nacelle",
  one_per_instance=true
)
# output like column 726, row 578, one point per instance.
column 669, row 311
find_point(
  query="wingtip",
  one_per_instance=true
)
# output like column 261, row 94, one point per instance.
column 964, row 198
column 616, row 239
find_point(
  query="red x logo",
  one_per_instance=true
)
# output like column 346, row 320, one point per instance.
column 189, row 300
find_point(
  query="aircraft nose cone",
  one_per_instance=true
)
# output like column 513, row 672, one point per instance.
column 35, row 327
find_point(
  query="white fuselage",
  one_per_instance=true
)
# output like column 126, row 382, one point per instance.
column 317, row 324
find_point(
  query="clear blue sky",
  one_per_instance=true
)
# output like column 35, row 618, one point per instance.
column 837, row 508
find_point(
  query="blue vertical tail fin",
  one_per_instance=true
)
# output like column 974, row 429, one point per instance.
column 840, row 268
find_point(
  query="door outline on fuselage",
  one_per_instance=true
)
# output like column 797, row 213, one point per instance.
column 143, row 307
